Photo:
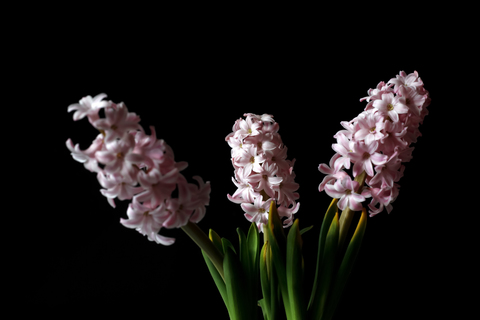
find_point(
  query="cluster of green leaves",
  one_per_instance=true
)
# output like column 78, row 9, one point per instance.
column 334, row 264
column 278, row 268
column 241, row 272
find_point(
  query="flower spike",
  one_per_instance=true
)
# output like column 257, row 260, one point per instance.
column 263, row 175
column 377, row 142
column 131, row 165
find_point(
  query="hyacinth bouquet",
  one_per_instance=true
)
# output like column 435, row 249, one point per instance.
column 266, row 270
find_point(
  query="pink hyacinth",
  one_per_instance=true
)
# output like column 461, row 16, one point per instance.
column 132, row 165
column 262, row 172
column 377, row 142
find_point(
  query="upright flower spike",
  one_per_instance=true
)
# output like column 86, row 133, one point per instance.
column 377, row 142
column 132, row 165
column 262, row 172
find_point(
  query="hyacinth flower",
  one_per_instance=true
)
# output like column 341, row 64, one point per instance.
column 377, row 142
column 262, row 277
column 262, row 172
column 132, row 165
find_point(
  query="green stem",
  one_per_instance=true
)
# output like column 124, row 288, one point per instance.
column 201, row 239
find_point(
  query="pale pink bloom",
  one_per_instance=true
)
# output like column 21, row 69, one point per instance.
column 370, row 127
column 389, row 172
column 200, row 198
column 89, row 106
column 236, row 145
column 158, row 187
column 117, row 122
column 190, row 204
column 411, row 80
column 271, row 133
column 287, row 213
column 412, row 132
column 333, row 172
column 87, row 157
column 148, row 221
column 286, row 190
column 247, row 128
column 413, row 100
column 117, row 186
column 278, row 156
column 364, row 156
column 383, row 197
column 179, row 209
column 264, row 117
column 391, row 105
column 245, row 191
column 349, row 130
column 427, row 102
column 394, row 133
column 344, row 147
column 118, row 157
column 375, row 94
column 250, row 160
column 265, row 179
column 257, row 212
column 152, row 152
column 130, row 157
column 259, row 159
column 346, row 191
column 381, row 136
column 169, row 162
column 239, row 198
column 262, row 141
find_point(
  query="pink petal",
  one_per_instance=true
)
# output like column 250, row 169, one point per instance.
column 342, row 203
column 332, row 192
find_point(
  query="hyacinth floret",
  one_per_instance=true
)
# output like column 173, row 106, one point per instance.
column 262, row 172
column 132, row 165
column 377, row 142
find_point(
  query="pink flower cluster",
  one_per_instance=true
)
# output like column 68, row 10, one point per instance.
column 132, row 165
column 377, row 141
column 262, row 172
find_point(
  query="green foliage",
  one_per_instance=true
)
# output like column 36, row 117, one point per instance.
column 241, row 268
column 278, row 269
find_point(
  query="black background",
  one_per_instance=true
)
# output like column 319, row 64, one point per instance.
column 72, row 255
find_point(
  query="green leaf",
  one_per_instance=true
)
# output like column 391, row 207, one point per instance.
column 265, row 278
column 347, row 264
column 217, row 241
column 253, row 245
column 276, row 226
column 278, row 257
column 295, row 267
column 217, row 278
column 243, row 251
column 327, row 220
column 253, row 241
column 270, row 289
column 251, row 275
column 326, row 271
column 227, row 244
column 234, row 281
column 264, row 307
column 305, row 230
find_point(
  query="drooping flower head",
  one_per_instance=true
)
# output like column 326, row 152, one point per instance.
column 132, row 165
column 377, row 142
column 262, row 172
